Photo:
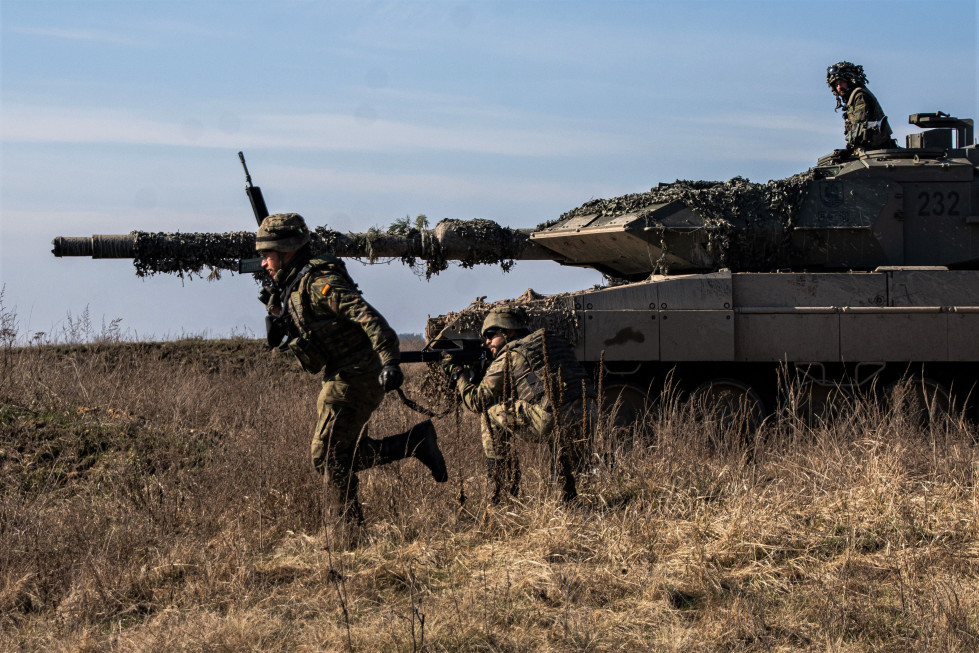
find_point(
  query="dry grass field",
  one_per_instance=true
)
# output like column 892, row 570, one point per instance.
column 158, row 497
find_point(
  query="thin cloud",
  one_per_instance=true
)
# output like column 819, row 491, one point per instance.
column 78, row 35
column 28, row 124
column 792, row 124
column 337, row 131
column 445, row 187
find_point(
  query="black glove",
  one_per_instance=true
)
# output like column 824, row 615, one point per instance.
column 391, row 377
column 844, row 154
column 449, row 365
column 265, row 295
column 454, row 369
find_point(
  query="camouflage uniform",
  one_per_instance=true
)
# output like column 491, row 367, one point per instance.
column 351, row 342
column 864, row 123
column 333, row 329
column 517, row 395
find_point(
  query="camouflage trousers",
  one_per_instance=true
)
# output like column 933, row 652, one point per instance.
column 340, row 446
column 569, row 437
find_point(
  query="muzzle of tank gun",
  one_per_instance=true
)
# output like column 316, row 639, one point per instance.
column 97, row 246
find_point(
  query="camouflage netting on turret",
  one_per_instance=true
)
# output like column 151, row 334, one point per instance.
column 553, row 312
column 748, row 224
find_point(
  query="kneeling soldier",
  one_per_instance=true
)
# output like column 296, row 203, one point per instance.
column 534, row 387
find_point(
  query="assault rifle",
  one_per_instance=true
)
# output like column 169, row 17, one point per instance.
column 276, row 327
column 464, row 351
column 254, row 194
column 257, row 200
column 467, row 352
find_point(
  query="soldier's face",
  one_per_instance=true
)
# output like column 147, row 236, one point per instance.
column 274, row 261
column 271, row 261
column 495, row 341
column 841, row 86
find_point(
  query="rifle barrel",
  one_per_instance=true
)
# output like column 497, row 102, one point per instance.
column 460, row 355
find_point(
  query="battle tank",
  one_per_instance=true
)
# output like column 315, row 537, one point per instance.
column 858, row 273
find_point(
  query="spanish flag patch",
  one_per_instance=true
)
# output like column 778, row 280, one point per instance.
column 326, row 289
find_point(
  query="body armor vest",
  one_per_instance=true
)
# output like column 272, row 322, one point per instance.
column 326, row 341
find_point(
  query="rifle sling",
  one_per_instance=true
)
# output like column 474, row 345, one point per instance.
column 417, row 407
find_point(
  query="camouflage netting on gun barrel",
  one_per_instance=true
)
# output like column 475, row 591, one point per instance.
column 484, row 242
column 469, row 242
column 190, row 254
column 748, row 225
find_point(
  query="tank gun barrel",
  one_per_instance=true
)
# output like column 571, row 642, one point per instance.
column 98, row 246
column 467, row 241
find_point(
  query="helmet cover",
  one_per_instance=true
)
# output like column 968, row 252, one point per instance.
column 282, row 232
column 505, row 317
column 845, row 70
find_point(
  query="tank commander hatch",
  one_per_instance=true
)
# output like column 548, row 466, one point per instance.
column 333, row 330
column 534, row 387
column 864, row 123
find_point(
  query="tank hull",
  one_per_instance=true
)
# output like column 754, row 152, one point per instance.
column 762, row 334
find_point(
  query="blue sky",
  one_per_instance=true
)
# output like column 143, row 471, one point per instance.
column 120, row 116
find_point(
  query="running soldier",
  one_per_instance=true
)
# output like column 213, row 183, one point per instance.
column 331, row 329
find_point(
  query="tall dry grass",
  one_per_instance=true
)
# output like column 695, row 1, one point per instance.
column 158, row 497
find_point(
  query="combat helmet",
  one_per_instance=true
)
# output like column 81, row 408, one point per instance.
column 851, row 72
column 505, row 317
column 282, row 232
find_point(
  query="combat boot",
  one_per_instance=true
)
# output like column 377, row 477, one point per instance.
column 343, row 517
column 421, row 442
column 505, row 474
column 569, row 491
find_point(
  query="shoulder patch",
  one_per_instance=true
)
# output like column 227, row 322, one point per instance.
column 326, row 289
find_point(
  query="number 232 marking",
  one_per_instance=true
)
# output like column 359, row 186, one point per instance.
column 938, row 203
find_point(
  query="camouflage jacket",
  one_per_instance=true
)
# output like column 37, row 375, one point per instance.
column 540, row 368
column 864, row 122
column 335, row 327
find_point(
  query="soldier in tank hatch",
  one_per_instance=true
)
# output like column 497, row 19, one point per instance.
column 534, row 387
column 331, row 329
column 864, row 122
